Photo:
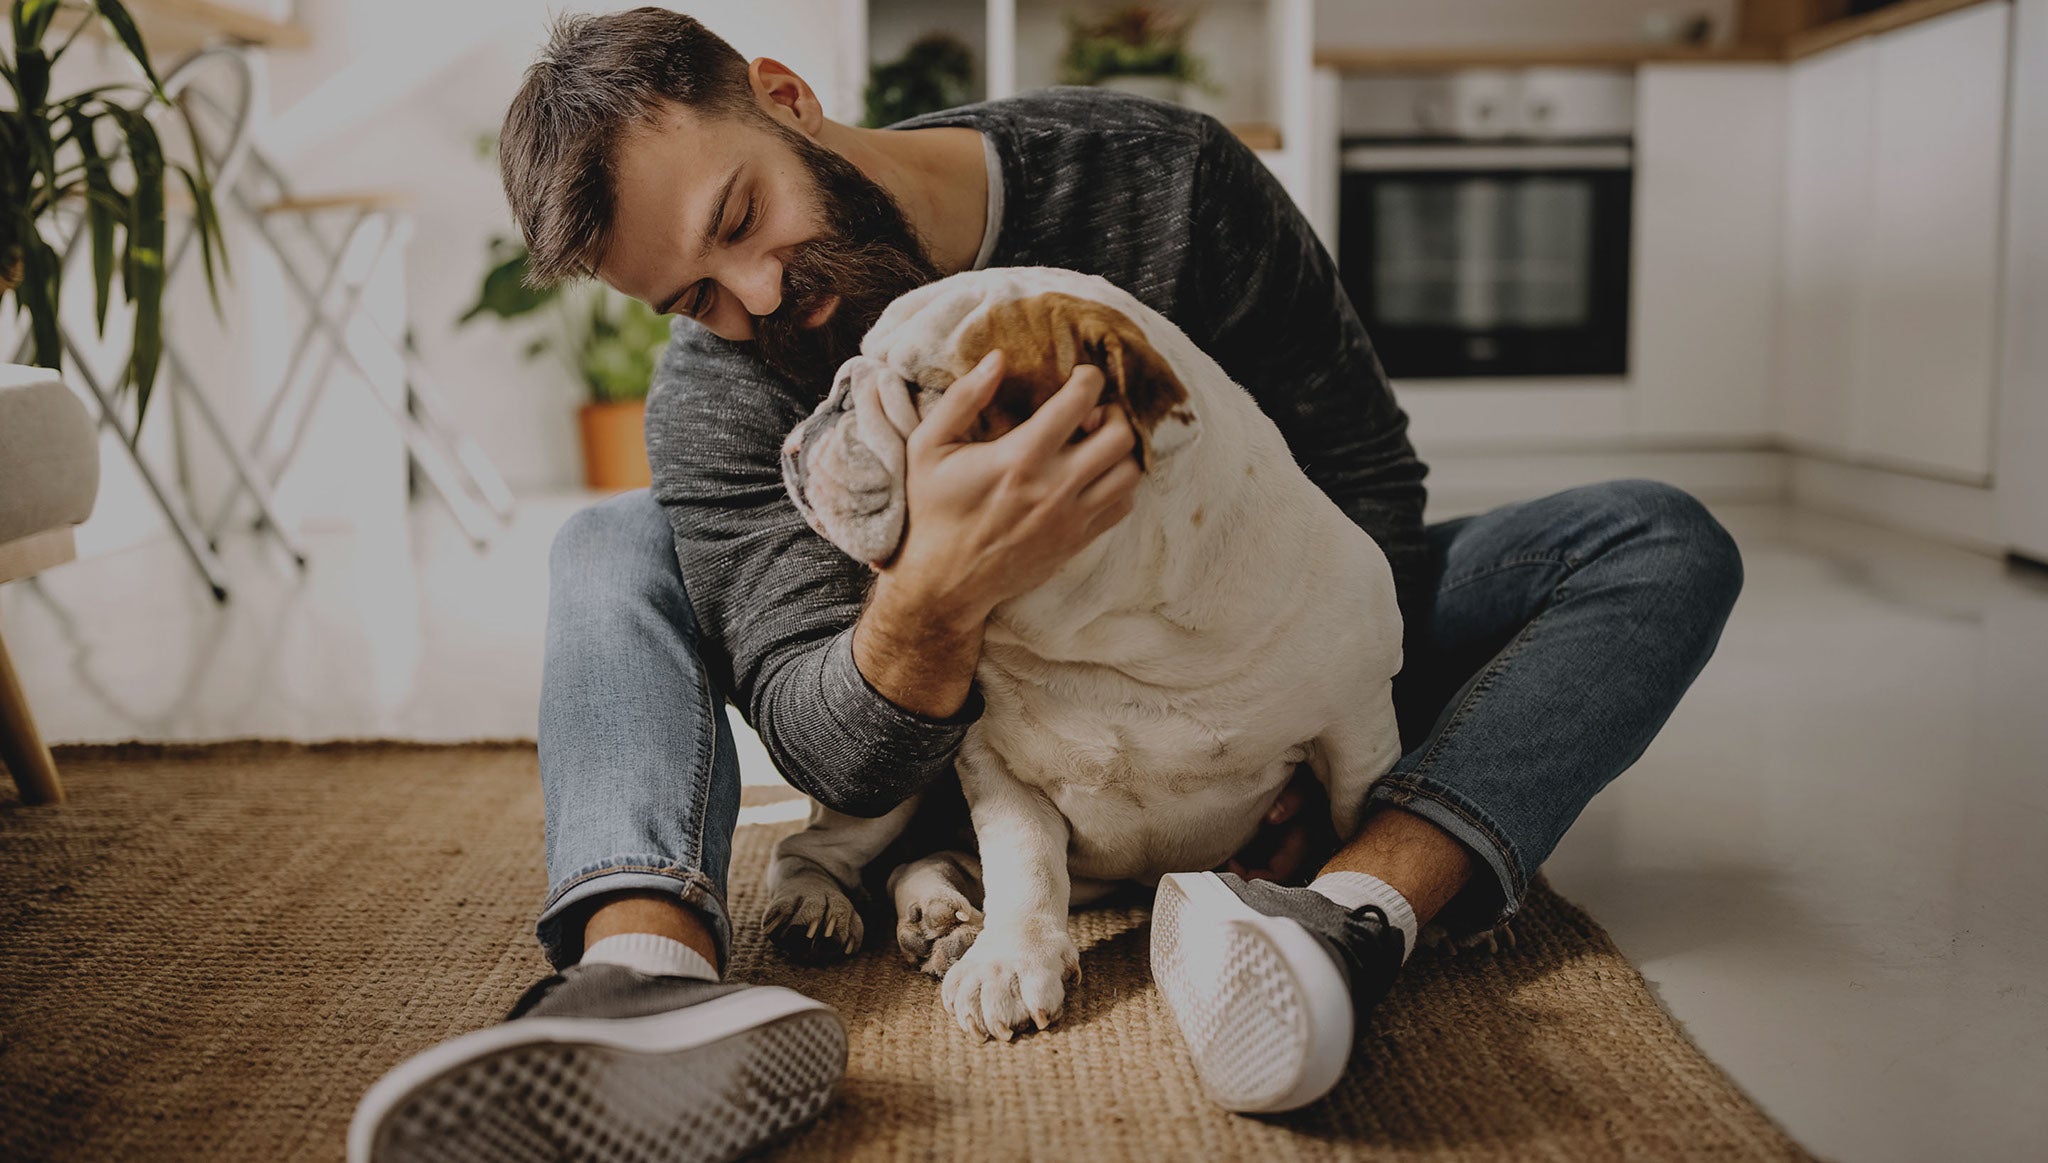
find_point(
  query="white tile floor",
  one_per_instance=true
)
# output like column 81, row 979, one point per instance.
column 1831, row 864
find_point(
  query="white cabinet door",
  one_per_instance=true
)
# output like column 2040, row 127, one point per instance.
column 1928, row 327
column 1827, row 212
column 2022, row 464
column 1710, row 159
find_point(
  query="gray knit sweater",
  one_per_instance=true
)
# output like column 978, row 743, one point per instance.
column 1158, row 199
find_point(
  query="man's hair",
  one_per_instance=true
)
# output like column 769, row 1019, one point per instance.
column 599, row 79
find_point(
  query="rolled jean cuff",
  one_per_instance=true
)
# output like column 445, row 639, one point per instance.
column 1447, row 810
column 622, row 874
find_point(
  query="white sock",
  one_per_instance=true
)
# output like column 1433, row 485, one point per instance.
column 653, row 954
column 1352, row 889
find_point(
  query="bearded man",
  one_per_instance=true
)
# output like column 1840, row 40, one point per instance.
column 1546, row 641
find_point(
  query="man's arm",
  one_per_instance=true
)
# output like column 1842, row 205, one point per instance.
column 860, row 702
column 864, row 700
column 920, row 657
column 1273, row 313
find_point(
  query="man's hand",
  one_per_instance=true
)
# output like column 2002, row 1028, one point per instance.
column 986, row 521
column 990, row 520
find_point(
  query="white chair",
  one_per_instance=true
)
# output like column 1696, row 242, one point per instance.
column 49, row 478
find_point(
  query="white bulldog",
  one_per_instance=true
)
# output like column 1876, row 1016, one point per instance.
column 1144, row 705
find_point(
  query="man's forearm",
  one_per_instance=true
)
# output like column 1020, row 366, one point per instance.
column 918, row 652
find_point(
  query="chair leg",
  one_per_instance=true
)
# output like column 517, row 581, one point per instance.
column 21, row 748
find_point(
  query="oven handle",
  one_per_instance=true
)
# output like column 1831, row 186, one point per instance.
column 1461, row 158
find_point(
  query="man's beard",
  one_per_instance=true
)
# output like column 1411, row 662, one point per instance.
column 868, row 255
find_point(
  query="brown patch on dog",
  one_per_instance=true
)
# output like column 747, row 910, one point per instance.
column 1195, row 518
column 1044, row 337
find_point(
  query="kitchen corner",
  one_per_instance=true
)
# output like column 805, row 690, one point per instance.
column 1761, row 261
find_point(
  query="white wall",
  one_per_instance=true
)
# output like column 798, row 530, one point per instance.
column 422, row 143
column 363, row 110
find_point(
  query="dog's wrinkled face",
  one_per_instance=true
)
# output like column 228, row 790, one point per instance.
column 844, row 465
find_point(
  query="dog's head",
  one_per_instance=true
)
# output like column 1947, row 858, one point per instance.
column 844, row 465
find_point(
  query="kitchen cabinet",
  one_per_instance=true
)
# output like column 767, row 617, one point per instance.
column 2022, row 453
column 1929, row 312
column 1890, row 264
column 1710, row 159
column 1827, row 216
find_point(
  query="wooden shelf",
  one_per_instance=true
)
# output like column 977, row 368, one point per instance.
column 1257, row 134
column 224, row 20
column 173, row 28
column 1535, row 56
column 350, row 200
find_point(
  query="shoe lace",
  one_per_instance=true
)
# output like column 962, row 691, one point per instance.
column 1365, row 948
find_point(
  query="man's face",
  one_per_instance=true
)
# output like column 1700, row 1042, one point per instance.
column 805, row 249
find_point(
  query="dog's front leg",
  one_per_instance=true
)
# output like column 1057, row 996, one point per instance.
column 813, row 876
column 1353, row 753
column 1017, row 971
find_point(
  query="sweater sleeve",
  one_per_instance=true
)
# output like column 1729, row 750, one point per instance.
column 775, row 603
column 1274, row 314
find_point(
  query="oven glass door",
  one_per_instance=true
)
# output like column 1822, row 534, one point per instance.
column 1506, row 271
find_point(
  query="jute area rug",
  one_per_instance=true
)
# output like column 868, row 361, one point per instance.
column 210, row 952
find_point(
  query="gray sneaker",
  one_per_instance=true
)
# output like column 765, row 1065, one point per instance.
column 601, row 1062
column 1267, row 983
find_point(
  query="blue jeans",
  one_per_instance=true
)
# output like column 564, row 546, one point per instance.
column 1561, row 634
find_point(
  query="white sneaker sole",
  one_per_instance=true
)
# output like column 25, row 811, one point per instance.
column 711, row 1081
column 1264, row 1010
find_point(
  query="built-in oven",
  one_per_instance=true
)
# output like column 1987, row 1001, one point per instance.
column 1484, row 225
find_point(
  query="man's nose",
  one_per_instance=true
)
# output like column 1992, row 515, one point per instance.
column 760, row 291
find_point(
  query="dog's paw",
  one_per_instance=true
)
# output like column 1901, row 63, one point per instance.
column 935, row 932
column 811, row 919
column 1011, row 981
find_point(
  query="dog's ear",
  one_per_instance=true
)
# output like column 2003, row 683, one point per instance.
column 844, row 464
column 1045, row 336
column 1138, row 378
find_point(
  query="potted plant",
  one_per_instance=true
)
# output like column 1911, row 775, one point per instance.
column 55, row 158
column 1139, row 48
column 608, row 341
column 934, row 73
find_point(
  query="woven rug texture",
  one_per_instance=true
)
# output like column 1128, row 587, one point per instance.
column 211, row 951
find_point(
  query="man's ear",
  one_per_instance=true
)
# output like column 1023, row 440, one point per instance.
column 844, row 465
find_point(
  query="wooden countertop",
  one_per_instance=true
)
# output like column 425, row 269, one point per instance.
column 1622, row 54
column 1827, row 36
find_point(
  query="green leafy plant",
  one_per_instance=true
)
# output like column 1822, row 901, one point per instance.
column 608, row 341
column 52, row 156
column 935, row 72
column 1135, row 40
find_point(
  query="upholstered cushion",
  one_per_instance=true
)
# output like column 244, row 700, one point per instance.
column 49, row 454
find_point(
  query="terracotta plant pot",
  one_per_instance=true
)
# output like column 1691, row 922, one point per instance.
column 615, row 445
